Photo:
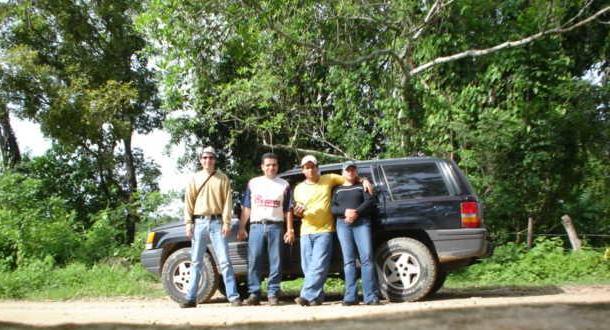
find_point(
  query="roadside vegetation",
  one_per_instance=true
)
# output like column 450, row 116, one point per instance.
column 547, row 263
column 527, row 119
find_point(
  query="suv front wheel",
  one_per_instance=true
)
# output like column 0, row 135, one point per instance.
column 176, row 276
column 406, row 269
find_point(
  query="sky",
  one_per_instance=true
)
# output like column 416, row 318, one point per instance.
column 31, row 140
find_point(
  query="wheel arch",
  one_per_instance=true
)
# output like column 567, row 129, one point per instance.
column 416, row 234
column 168, row 250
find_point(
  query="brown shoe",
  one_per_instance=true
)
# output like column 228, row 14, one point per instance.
column 273, row 301
column 301, row 301
column 188, row 304
column 252, row 300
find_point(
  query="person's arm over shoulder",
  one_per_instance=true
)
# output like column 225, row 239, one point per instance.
column 335, row 179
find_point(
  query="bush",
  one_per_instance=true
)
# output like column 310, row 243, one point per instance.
column 33, row 226
column 101, row 240
column 41, row 280
column 29, row 278
column 546, row 263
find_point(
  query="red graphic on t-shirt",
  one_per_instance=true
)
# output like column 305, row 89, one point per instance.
column 260, row 201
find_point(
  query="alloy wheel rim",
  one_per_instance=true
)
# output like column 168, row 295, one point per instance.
column 182, row 276
column 401, row 270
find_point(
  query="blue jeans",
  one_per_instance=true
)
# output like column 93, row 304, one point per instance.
column 206, row 230
column 357, row 236
column 259, row 235
column 316, row 254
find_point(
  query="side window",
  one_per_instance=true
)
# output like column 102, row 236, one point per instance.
column 363, row 172
column 409, row 181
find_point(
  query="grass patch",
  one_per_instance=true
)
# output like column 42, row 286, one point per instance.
column 332, row 286
column 40, row 280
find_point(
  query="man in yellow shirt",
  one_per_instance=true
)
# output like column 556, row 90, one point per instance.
column 312, row 201
column 207, row 216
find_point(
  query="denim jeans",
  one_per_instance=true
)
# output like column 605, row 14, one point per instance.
column 206, row 230
column 271, row 234
column 316, row 254
column 352, row 237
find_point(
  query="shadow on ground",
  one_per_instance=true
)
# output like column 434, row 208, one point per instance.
column 554, row 316
column 447, row 294
column 496, row 291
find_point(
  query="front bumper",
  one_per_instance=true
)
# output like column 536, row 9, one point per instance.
column 460, row 244
column 151, row 260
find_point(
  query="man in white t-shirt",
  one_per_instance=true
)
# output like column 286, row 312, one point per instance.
column 266, row 203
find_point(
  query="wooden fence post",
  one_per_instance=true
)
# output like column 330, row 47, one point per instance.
column 569, row 226
column 530, row 232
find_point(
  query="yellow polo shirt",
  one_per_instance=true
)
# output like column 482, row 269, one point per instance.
column 317, row 197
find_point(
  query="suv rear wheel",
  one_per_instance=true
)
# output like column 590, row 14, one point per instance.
column 441, row 276
column 406, row 269
column 176, row 276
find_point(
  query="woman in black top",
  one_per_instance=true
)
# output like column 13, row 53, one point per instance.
column 352, row 207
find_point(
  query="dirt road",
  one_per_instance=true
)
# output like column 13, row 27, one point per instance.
column 561, row 306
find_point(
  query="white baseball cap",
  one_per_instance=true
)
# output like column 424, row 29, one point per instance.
column 348, row 164
column 209, row 150
column 309, row 159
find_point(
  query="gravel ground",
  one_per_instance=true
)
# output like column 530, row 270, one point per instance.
column 567, row 307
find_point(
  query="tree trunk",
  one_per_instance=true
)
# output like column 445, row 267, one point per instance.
column 132, row 181
column 8, row 142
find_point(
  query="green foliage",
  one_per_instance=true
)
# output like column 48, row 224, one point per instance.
column 40, row 280
column 74, row 67
column 546, row 263
column 36, row 223
column 527, row 124
column 103, row 238
column 32, row 276
column 32, row 225
column 337, row 77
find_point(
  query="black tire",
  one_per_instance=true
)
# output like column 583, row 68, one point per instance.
column 406, row 269
column 176, row 275
column 441, row 276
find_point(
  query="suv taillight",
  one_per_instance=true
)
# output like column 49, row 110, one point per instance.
column 470, row 215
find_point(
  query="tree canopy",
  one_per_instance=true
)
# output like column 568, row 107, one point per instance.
column 502, row 88
column 516, row 92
